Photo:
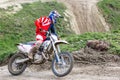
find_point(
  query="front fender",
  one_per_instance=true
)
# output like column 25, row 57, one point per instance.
column 61, row 42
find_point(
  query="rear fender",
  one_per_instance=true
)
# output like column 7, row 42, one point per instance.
column 18, row 44
column 25, row 48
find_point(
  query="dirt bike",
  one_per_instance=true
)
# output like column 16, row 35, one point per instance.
column 62, row 62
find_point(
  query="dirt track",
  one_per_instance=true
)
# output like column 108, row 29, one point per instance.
column 85, row 17
column 110, row 71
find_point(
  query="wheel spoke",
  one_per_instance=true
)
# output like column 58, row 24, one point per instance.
column 15, row 66
column 64, row 67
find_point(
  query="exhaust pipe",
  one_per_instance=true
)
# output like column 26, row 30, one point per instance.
column 22, row 60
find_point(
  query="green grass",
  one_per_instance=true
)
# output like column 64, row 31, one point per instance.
column 19, row 27
column 76, row 42
column 111, row 12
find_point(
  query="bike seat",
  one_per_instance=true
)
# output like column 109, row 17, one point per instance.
column 30, row 43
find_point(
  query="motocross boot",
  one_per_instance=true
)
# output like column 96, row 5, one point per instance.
column 30, row 55
column 32, row 52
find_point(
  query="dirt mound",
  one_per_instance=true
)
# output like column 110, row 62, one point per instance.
column 14, row 4
column 98, row 45
column 85, row 16
column 88, row 56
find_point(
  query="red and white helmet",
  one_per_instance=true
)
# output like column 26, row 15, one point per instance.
column 45, row 21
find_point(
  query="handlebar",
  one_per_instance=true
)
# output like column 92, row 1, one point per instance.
column 41, row 30
column 61, row 17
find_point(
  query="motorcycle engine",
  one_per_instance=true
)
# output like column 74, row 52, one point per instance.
column 38, row 58
column 46, row 46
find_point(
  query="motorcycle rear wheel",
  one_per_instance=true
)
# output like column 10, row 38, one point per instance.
column 67, row 62
column 15, row 68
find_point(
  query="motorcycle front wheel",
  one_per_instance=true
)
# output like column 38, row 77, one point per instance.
column 15, row 68
column 65, row 65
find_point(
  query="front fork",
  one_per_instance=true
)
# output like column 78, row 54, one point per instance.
column 56, row 51
column 57, row 57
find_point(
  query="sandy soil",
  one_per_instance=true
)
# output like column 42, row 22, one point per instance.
column 7, row 3
column 85, row 17
column 15, row 3
column 110, row 71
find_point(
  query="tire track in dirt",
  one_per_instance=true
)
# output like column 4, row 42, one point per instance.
column 87, row 17
column 110, row 71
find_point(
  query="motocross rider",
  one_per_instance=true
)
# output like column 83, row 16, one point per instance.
column 43, row 23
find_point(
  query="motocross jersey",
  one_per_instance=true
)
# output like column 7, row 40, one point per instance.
column 43, row 23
